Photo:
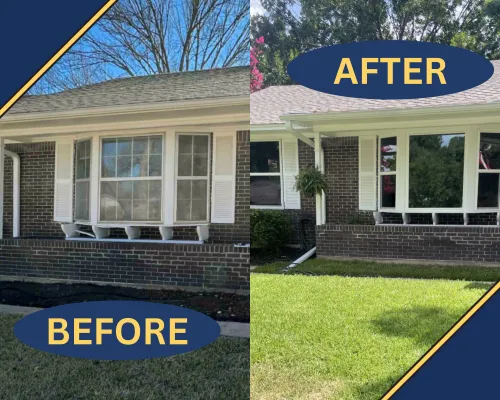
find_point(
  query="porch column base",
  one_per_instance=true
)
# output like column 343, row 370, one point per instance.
column 377, row 216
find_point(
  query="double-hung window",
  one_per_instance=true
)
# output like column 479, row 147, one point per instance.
column 131, row 179
column 265, row 174
column 192, row 177
column 82, row 180
column 489, row 171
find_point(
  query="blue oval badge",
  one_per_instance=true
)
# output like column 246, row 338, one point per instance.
column 117, row 330
column 392, row 69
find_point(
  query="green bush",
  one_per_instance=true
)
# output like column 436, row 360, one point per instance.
column 310, row 181
column 270, row 229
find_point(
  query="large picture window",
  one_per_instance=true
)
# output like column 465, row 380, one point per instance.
column 192, row 178
column 265, row 174
column 489, row 171
column 82, row 181
column 388, row 153
column 436, row 171
column 131, row 179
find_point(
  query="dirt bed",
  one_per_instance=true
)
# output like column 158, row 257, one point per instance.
column 220, row 306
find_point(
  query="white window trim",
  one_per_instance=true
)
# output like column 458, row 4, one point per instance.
column 280, row 174
column 121, row 179
column 190, row 178
column 380, row 174
column 89, row 179
column 471, row 168
column 482, row 171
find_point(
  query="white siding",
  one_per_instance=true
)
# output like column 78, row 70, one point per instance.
column 290, row 163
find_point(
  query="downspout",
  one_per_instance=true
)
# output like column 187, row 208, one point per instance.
column 16, row 196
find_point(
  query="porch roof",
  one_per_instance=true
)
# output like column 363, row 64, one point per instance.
column 270, row 104
column 214, row 84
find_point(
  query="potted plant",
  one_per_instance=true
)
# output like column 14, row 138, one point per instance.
column 310, row 181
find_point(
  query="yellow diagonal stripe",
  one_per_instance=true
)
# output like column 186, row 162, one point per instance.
column 442, row 341
column 57, row 56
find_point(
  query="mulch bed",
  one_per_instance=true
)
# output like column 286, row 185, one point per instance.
column 220, row 306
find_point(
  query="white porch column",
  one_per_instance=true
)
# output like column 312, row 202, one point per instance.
column 2, row 169
column 320, row 198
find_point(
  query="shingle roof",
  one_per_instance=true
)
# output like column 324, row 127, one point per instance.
column 161, row 88
column 267, row 105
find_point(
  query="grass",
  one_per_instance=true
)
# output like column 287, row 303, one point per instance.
column 392, row 270
column 218, row 371
column 344, row 338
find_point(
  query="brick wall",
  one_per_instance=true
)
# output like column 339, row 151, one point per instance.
column 455, row 243
column 213, row 266
column 341, row 168
column 37, row 190
column 307, row 204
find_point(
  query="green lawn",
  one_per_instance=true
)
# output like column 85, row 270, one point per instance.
column 331, row 337
column 367, row 268
column 218, row 371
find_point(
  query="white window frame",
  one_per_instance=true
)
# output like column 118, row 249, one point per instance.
column 483, row 171
column 89, row 179
column 160, row 178
column 470, row 173
column 280, row 174
column 192, row 178
column 381, row 174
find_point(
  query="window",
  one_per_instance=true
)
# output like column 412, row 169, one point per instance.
column 489, row 171
column 131, row 179
column 192, row 178
column 388, row 152
column 265, row 174
column 436, row 171
column 82, row 181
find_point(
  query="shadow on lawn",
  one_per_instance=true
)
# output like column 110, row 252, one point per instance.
column 425, row 325
column 375, row 390
column 479, row 285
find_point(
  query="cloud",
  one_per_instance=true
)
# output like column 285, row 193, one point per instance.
column 256, row 8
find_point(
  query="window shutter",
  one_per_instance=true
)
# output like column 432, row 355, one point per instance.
column 63, row 188
column 224, row 178
column 290, row 171
column 367, row 173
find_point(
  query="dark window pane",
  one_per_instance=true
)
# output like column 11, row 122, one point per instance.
column 109, row 147
column 436, row 171
column 388, row 187
column 265, row 190
column 487, row 193
column 388, row 150
column 489, row 151
column 264, row 157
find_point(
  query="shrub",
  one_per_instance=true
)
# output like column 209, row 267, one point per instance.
column 270, row 229
column 310, row 181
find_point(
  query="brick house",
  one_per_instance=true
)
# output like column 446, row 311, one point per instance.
column 138, row 180
column 408, row 179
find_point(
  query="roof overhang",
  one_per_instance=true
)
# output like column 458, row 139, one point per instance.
column 207, row 112
column 341, row 122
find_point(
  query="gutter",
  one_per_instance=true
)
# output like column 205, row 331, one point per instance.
column 127, row 109
column 426, row 110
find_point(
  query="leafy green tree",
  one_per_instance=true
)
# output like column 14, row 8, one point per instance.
column 291, row 27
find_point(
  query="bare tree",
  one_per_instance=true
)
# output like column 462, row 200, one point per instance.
column 141, row 37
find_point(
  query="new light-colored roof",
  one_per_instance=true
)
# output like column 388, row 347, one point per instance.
column 161, row 88
column 267, row 105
